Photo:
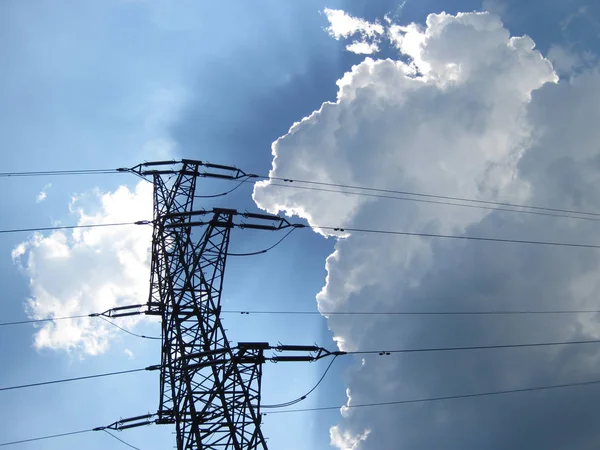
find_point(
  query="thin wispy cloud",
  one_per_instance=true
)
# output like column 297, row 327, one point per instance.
column 43, row 193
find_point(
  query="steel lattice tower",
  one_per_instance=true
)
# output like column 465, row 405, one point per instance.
column 209, row 389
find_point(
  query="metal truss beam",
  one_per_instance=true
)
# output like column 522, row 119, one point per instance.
column 208, row 389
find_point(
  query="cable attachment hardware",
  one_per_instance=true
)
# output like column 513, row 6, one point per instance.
column 132, row 422
column 279, row 223
column 187, row 167
column 314, row 353
column 115, row 312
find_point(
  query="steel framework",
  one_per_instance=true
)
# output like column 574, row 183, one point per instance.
column 209, row 389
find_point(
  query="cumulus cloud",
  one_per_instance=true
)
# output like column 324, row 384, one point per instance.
column 568, row 61
column 43, row 193
column 345, row 440
column 466, row 110
column 343, row 25
column 89, row 270
column 362, row 48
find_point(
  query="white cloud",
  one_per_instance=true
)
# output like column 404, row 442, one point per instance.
column 473, row 113
column 564, row 61
column 567, row 61
column 344, row 440
column 129, row 353
column 362, row 48
column 89, row 270
column 43, row 193
column 343, row 25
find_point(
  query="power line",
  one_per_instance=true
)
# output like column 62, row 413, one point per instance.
column 407, row 313
column 120, row 440
column 66, row 380
column 303, row 397
column 450, row 236
column 339, row 229
column 419, row 194
column 474, row 347
column 72, row 227
column 373, row 404
column 438, row 202
column 41, row 438
column 259, row 252
column 52, row 319
column 58, row 172
column 127, row 331
column 318, row 183
column 341, row 313
column 436, row 399
column 374, row 192
column 93, row 315
column 222, row 194
column 122, row 424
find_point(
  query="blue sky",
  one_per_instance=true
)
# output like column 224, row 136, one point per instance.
column 111, row 84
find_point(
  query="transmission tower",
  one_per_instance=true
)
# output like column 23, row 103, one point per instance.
column 209, row 389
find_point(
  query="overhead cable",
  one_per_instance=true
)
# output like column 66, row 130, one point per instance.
column 58, row 172
column 473, row 347
column 120, row 311
column 303, row 397
column 441, row 202
column 406, row 313
column 120, row 440
column 374, row 192
column 345, row 313
column 258, row 252
column 460, row 237
column 358, row 352
column 288, row 182
column 127, row 331
column 72, row 227
column 53, row 436
column 119, row 425
column 420, row 194
column 338, row 229
column 50, row 319
column 222, row 194
column 41, row 438
column 441, row 398
column 86, row 377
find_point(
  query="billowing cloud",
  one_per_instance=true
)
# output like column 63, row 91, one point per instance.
column 467, row 111
column 89, row 270
column 343, row 25
column 345, row 440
